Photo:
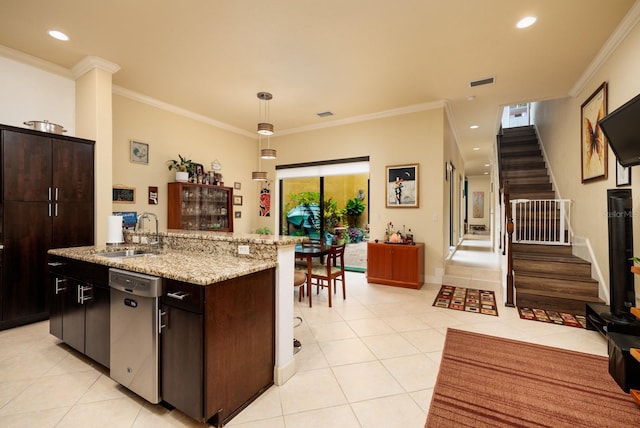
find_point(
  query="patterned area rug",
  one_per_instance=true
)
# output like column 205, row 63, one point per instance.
column 467, row 299
column 552, row 317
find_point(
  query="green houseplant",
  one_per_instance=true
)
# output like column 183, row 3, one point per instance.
column 182, row 166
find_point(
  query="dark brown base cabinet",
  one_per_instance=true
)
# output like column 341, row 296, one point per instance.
column 218, row 345
column 46, row 202
column 396, row 264
column 79, row 307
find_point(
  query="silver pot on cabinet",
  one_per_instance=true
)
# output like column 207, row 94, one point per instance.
column 46, row 126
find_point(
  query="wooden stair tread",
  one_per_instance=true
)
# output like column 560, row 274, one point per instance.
column 560, row 276
column 635, row 312
column 561, row 258
column 635, row 353
column 558, row 295
column 635, row 394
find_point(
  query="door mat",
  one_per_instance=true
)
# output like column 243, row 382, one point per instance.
column 553, row 317
column 467, row 299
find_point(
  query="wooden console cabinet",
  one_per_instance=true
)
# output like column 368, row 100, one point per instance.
column 395, row 264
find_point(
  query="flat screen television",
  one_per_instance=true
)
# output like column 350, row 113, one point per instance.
column 622, row 129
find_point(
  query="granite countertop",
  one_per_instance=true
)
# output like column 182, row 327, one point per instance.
column 247, row 238
column 191, row 267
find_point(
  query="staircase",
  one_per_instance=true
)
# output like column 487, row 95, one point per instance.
column 545, row 276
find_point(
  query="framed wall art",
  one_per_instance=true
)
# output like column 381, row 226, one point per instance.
column 123, row 195
column 237, row 200
column 401, row 189
column 139, row 152
column 593, row 145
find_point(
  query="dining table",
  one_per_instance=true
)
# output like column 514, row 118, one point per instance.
column 308, row 253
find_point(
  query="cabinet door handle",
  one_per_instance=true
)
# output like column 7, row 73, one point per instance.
column 56, row 210
column 49, row 194
column 56, row 264
column 49, row 209
column 161, row 313
column 60, row 281
column 56, row 195
column 180, row 295
column 81, row 296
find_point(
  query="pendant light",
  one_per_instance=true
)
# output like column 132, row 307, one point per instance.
column 265, row 128
column 259, row 175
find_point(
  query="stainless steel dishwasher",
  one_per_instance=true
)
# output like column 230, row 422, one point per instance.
column 134, row 336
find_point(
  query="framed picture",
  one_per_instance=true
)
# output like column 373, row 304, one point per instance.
column 237, row 214
column 139, row 152
column 237, row 185
column 401, row 190
column 593, row 146
column 623, row 175
column 198, row 169
column 153, row 195
column 237, row 200
column 123, row 195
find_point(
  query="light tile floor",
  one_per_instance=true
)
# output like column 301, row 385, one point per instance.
column 370, row 361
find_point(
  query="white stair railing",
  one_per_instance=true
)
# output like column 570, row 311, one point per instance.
column 541, row 221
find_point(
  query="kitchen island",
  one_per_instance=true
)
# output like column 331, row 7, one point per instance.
column 232, row 336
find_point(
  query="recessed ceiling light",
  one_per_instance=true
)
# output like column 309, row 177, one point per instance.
column 474, row 127
column 527, row 21
column 486, row 164
column 59, row 35
column 475, row 149
column 486, row 173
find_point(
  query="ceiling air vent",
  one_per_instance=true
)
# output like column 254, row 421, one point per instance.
column 481, row 82
column 325, row 114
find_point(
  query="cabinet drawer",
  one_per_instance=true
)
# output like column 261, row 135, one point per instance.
column 182, row 295
column 88, row 272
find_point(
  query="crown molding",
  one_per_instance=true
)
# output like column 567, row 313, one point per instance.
column 34, row 62
column 119, row 90
column 622, row 31
column 365, row 117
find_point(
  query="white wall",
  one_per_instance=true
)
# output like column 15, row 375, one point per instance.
column 558, row 123
column 30, row 93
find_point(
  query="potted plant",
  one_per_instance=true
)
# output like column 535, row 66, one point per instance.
column 182, row 167
column 355, row 207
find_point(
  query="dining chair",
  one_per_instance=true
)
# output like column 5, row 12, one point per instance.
column 324, row 275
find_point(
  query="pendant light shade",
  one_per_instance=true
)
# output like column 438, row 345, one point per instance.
column 259, row 176
column 265, row 128
column 268, row 153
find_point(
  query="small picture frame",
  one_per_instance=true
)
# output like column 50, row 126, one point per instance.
column 123, row 195
column 237, row 185
column 237, row 214
column 153, row 195
column 139, row 152
column 623, row 175
column 198, row 169
column 237, row 200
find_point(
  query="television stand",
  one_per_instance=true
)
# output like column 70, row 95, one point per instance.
column 600, row 318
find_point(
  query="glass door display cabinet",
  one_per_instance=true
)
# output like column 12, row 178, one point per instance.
column 200, row 207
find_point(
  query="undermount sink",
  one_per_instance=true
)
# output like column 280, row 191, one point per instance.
column 124, row 253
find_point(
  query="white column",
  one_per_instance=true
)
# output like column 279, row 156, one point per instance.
column 94, row 121
column 285, row 363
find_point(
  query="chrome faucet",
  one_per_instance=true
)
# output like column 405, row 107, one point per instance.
column 155, row 243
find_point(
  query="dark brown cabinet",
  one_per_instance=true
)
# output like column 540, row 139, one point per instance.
column 200, row 207
column 395, row 264
column 47, row 202
column 218, row 345
column 80, row 312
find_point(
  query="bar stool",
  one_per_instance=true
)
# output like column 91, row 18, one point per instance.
column 299, row 280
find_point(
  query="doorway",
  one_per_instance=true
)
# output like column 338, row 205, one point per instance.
column 327, row 201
